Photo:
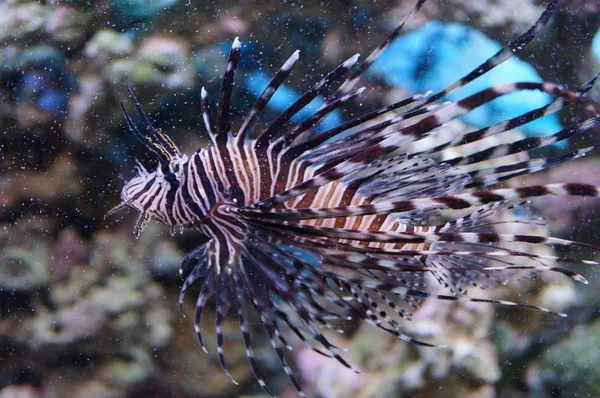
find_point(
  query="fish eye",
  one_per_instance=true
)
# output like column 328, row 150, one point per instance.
column 170, row 177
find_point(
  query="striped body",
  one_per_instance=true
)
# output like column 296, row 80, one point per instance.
column 206, row 187
column 305, row 228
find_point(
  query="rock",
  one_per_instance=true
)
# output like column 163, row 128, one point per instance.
column 109, row 44
column 23, row 270
column 170, row 57
column 572, row 366
column 21, row 21
column 67, row 26
column 136, row 10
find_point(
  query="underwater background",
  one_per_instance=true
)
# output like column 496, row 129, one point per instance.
column 86, row 310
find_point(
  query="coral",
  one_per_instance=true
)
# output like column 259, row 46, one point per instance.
column 33, row 185
column 165, row 256
column 70, row 250
column 64, row 328
column 20, row 391
column 67, row 26
column 25, row 256
column 494, row 14
column 20, row 21
column 108, row 44
column 570, row 366
column 169, row 56
column 100, row 305
column 23, row 21
column 21, row 269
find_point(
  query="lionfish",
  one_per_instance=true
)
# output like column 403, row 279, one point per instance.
column 308, row 228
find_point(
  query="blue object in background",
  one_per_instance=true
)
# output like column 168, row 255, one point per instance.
column 430, row 58
column 596, row 46
column 130, row 11
column 45, row 93
column 438, row 54
column 43, row 80
column 257, row 81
